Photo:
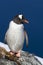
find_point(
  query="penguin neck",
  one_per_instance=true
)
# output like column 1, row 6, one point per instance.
column 15, row 25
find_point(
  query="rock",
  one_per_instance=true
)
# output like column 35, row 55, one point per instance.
column 25, row 59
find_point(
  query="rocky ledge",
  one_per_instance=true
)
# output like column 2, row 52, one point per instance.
column 25, row 59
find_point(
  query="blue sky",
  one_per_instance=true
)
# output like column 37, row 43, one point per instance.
column 33, row 11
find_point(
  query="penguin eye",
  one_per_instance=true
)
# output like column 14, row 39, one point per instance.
column 23, row 17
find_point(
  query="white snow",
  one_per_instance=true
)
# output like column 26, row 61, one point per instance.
column 5, row 46
column 40, row 59
column 8, row 49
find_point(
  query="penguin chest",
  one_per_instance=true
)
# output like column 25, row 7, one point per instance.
column 19, row 38
column 16, row 38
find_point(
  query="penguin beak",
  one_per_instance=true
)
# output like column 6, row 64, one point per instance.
column 25, row 21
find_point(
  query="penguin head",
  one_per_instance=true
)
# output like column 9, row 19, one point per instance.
column 19, row 19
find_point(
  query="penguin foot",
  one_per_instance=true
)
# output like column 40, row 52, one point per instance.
column 17, row 54
column 11, row 52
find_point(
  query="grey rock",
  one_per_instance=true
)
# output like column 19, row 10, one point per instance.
column 25, row 59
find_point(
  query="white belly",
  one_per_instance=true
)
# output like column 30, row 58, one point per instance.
column 15, row 38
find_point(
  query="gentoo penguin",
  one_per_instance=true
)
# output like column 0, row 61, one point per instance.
column 16, row 34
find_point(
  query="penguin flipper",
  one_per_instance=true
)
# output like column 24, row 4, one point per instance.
column 5, row 39
column 26, row 37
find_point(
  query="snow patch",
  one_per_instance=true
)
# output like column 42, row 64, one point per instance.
column 40, row 59
column 5, row 46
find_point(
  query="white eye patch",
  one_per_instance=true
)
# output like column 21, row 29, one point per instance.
column 20, row 16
